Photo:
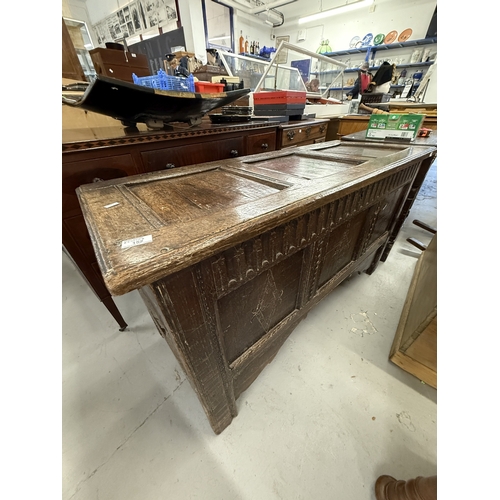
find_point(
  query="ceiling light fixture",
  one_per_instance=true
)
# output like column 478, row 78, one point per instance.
column 337, row 10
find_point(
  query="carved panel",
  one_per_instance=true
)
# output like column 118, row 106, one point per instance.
column 237, row 265
column 340, row 247
column 254, row 309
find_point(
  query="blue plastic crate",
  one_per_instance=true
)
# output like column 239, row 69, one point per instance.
column 162, row 81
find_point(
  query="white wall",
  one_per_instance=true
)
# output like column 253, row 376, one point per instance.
column 339, row 30
column 253, row 28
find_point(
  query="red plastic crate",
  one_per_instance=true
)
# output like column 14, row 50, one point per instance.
column 208, row 87
column 279, row 97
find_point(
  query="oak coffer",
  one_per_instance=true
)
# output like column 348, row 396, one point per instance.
column 230, row 255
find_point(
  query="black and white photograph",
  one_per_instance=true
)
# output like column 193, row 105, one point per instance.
column 160, row 12
column 113, row 26
column 135, row 18
column 126, row 14
column 102, row 33
column 134, row 9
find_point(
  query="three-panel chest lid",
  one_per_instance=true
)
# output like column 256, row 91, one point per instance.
column 149, row 225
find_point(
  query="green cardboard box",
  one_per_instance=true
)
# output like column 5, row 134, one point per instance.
column 394, row 126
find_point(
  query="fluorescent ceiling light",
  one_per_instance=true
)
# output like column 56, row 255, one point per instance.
column 337, row 10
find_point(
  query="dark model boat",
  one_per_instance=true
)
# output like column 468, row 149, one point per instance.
column 132, row 104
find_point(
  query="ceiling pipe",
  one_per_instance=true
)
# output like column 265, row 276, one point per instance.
column 278, row 13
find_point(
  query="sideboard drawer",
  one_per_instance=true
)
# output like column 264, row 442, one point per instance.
column 180, row 156
column 303, row 134
column 261, row 143
column 76, row 173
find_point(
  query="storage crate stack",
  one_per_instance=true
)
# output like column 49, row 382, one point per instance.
column 289, row 104
column 208, row 88
column 232, row 114
column 230, row 82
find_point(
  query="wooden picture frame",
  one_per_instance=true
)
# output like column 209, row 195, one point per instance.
column 282, row 57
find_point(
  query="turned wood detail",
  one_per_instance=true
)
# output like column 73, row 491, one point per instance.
column 419, row 488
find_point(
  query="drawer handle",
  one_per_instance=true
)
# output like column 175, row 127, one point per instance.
column 308, row 131
column 169, row 165
column 322, row 128
column 264, row 145
column 234, row 153
column 290, row 134
column 97, row 179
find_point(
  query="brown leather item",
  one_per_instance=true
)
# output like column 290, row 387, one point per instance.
column 420, row 488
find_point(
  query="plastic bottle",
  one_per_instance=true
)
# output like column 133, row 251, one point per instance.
column 402, row 77
column 242, row 43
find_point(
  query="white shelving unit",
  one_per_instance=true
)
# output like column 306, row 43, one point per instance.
column 398, row 53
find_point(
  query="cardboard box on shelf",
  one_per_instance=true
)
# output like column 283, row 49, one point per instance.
column 229, row 79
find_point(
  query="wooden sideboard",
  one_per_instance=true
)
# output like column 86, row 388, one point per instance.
column 119, row 64
column 229, row 256
column 350, row 124
column 97, row 148
column 108, row 151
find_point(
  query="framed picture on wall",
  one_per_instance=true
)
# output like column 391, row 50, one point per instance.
column 137, row 17
column 282, row 57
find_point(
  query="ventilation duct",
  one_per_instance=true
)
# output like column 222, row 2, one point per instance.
column 265, row 11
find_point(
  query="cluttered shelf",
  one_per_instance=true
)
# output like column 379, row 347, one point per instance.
column 421, row 61
column 255, row 56
column 390, row 46
column 351, row 87
column 400, row 66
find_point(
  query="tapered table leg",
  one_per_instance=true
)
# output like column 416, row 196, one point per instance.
column 419, row 488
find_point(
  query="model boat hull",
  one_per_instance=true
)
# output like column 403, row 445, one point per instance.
column 132, row 104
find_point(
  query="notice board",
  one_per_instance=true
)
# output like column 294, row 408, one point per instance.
column 155, row 48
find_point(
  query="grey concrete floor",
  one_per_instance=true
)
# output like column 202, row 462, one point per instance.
column 328, row 416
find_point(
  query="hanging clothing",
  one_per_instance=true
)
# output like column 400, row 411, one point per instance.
column 381, row 81
column 365, row 79
column 361, row 84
